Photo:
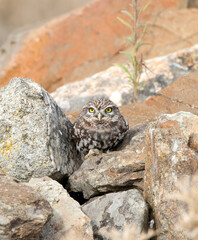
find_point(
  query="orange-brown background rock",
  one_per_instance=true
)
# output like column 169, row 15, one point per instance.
column 23, row 13
column 88, row 40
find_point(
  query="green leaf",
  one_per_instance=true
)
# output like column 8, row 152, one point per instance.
column 143, row 33
column 140, row 25
column 141, row 44
column 125, row 69
column 128, row 14
column 146, row 5
column 124, row 22
column 128, row 54
column 130, row 39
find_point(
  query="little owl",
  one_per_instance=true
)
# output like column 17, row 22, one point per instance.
column 99, row 126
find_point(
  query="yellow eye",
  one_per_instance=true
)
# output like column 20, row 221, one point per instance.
column 108, row 110
column 91, row 110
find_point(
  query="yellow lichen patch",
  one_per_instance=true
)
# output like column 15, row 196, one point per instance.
column 8, row 148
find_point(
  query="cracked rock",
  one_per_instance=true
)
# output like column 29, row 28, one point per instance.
column 114, row 170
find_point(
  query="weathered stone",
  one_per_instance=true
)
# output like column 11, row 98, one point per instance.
column 34, row 133
column 116, row 210
column 68, row 221
column 169, row 159
column 23, row 212
column 114, row 83
column 77, row 45
column 114, row 170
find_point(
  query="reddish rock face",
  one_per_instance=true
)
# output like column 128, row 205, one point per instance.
column 88, row 40
column 181, row 95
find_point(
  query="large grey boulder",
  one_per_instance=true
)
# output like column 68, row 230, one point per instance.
column 116, row 210
column 68, row 221
column 115, row 170
column 34, row 133
column 23, row 212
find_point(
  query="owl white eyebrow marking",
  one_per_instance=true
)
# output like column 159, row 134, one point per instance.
column 88, row 107
column 109, row 106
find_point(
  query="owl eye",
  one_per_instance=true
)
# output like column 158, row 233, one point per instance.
column 108, row 110
column 91, row 110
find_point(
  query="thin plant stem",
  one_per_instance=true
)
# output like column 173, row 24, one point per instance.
column 136, row 42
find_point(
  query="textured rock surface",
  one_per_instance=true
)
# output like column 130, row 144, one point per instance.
column 34, row 133
column 23, row 212
column 114, row 83
column 74, row 46
column 68, row 221
column 169, row 158
column 116, row 210
column 114, row 170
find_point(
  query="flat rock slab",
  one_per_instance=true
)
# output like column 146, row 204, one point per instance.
column 23, row 212
column 34, row 133
column 172, row 155
column 115, row 170
column 114, row 83
column 68, row 221
column 116, row 210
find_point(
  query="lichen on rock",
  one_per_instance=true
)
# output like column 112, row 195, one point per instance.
column 34, row 133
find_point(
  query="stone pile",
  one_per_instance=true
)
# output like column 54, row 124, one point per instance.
column 47, row 192
column 128, row 186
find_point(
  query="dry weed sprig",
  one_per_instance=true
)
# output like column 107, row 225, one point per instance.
column 128, row 233
column 188, row 194
column 138, row 31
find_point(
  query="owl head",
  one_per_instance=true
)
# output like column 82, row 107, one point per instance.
column 100, row 111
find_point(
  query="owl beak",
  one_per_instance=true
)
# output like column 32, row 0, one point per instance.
column 99, row 116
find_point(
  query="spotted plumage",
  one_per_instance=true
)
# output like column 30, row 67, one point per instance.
column 99, row 126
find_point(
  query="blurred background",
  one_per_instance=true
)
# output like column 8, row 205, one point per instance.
column 77, row 45
column 17, row 14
